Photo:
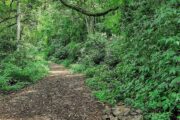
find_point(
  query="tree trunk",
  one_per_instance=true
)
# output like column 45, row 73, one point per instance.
column 18, row 24
column 90, row 24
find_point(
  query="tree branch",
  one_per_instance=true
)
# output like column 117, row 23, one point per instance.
column 8, row 26
column 6, row 19
column 11, row 4
column 88, row 13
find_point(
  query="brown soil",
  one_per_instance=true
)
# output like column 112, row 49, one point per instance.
column 60, row 96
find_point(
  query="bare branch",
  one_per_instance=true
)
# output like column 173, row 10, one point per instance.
column 88, row 13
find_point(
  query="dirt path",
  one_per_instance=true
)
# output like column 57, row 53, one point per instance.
column 60, row 96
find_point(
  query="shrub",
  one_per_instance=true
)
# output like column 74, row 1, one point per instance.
column 15, row 77
column 36, row 70
column 66, row 62
column 112, row 57
column 77, row 68
column 73, row 50
column 93, row 50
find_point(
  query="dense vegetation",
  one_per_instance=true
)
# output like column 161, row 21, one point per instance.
column 131, row 54
column 21, row 60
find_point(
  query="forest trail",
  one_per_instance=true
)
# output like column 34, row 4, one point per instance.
column 60, row 96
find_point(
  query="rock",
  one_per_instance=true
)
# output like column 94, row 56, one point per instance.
column 133, row 110
column 133, row 113
column 120, row 104
column 120, row 117
column 107, row 110
column 138, row 117
column 125, row 118
column 113, row 118
column 126, row 111
column 106, row 117
column 116, row 111
column 138, row 111
column 1, row 97
column 122, row 112
column 129, row 117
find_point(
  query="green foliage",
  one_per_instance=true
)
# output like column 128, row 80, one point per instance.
column 66, row 62
column 25, row 65
column 73, row 50
column 112, row 57
column 160, row 116
column 102, row 84
column 14, row 77
column 112, row 22
column 67, row 34
column 133, row 55
column 36, row 70
column 93, row 50
column 77, row 68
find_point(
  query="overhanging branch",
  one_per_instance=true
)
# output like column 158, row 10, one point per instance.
column 88, row 13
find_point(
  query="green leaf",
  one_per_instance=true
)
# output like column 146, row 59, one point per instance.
column 174, row 82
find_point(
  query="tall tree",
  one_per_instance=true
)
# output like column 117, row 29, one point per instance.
column 18, row 23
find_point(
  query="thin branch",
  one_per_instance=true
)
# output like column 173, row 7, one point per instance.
column 9, row 18
column 88, row 13
column 11, row 4
column 8, row 26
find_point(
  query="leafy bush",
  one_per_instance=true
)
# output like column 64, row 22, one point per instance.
column 160, row 116
column 73, row 50
column 14, row 77
column 36, row 70
column 113, row 47
column 77, row 68
column 66, row 62
column 93, row 50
